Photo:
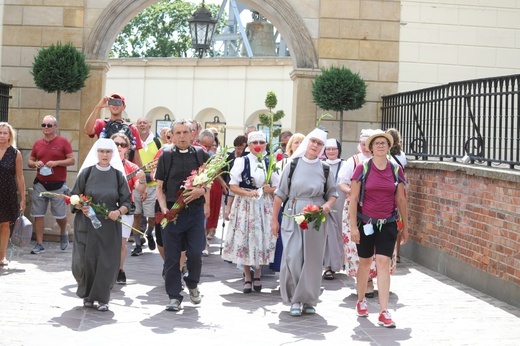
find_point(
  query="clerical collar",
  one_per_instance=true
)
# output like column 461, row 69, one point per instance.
column 182, row 151
column 309, row 160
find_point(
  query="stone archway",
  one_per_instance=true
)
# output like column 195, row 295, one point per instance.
column 280, row 13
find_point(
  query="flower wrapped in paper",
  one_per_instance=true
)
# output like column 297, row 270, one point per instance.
column 202, row 177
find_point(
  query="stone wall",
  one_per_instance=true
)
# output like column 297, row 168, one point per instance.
column 464, row 223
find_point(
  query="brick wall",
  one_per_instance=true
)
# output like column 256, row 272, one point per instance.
column 468, row 213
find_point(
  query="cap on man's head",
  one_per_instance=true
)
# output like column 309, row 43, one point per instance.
column 119, row 96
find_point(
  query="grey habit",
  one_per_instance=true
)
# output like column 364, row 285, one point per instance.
column 334, row 252
column 96, row 253
column 302, row 259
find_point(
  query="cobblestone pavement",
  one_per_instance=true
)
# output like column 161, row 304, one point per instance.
column 39, row 307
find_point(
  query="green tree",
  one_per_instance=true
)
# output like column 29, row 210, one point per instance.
column 160, row 30
column 339, row 89
column 60, row 68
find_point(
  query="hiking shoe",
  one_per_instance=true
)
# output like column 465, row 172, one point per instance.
column 362, row 309
column 64, row 242
column 195, row 297
column 151, row 241
column 121, row 277
column 173, row 305
column 385, row 320
column 38, row 248
column 137, row 251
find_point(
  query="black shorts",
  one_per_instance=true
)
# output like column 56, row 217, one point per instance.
column 382, row 241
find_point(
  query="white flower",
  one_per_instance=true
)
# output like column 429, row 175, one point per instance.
column 74, row 199
column 201, row 178
column 299, row 219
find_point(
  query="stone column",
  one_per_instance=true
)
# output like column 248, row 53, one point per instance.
column 304, row 109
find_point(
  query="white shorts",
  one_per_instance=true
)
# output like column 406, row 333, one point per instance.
column 128, row 219
column 146, row 208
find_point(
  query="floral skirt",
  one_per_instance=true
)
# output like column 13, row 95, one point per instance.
column 249, row 240
column 351, row 254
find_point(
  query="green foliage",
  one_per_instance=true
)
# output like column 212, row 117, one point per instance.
column 339, row 89
column 60, row 68
column 160, row 30
column 269, row 120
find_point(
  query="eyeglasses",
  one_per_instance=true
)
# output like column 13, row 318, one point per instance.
column 122, row 145
column 380, row 144
column 47, row 125
column 317, row 142
column 257, row 142
column 331, row 149
column 104, row 151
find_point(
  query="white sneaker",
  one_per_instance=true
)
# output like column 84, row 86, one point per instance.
column 173, row 305
column 195, row 297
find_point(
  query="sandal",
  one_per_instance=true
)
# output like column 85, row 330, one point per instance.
column 247, row 289
column 296, row 310
column 102, row 307
column 257, row 288
column 328, row 275
column 308, row 309
column 87, row 303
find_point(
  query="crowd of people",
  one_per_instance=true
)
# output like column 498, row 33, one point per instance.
column 317, row 214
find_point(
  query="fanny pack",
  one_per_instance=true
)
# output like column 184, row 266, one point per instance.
column 50, row 186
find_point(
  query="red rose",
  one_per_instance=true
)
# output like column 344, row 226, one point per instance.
column 279, row 157
column 257, row 148
column 304, row 225
column 67, row 200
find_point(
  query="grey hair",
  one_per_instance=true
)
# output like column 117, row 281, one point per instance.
column 206, row 133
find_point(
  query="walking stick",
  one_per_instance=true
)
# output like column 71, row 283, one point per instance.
column 223, row 221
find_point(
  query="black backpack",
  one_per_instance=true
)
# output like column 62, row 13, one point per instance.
column 112, row 127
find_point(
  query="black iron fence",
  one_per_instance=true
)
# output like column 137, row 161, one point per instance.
column 478, row 119
column 4, row 101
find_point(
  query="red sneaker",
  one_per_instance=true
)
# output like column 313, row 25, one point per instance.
column 361, row 307
column 385, row 320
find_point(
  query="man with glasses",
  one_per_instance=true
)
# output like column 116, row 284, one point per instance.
column 145, row 202
column 50, row 156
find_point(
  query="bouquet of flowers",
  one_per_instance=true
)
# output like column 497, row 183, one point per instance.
column 82, row 199
column 311, row 213
column 202, row 177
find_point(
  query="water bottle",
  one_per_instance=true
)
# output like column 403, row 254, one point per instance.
column 93, row 218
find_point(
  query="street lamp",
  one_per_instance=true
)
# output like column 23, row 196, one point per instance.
column 202, row 26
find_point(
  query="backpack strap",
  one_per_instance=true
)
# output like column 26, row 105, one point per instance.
column 200, row 155
column 397, row 160
column 294, row 162
column 157, row 142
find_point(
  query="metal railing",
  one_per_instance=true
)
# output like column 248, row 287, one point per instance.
column 4, row 101
column 475, row 118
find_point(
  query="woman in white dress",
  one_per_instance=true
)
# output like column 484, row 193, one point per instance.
column 302, row 260
column 249, row 241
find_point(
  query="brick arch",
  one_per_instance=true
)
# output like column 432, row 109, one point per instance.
column 283, row 16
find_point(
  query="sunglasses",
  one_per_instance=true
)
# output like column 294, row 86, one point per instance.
column 47, row 125
column 257, row 142
column 104, row 151
column 122, row 145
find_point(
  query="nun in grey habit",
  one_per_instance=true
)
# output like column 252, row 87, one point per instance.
column 97, row 251
column 302, row 260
